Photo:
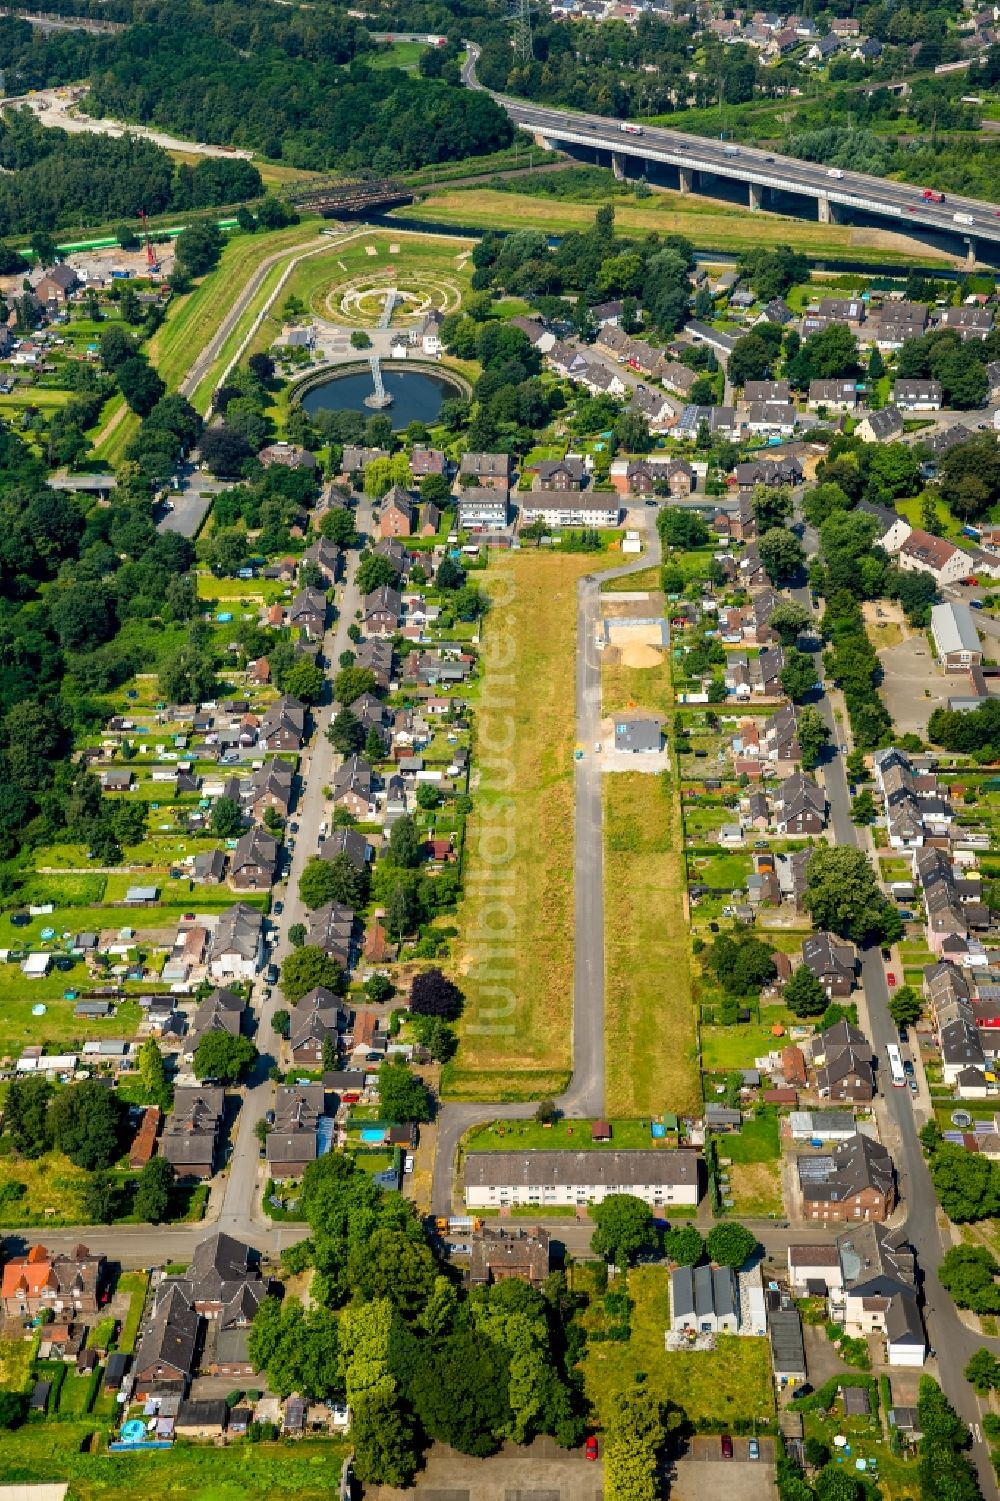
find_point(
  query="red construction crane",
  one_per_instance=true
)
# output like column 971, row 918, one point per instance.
column 151, row 260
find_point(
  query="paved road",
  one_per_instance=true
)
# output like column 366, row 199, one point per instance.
column 240, row 1208
column 585, row 1095
column 899, row 204
column 949, row 1337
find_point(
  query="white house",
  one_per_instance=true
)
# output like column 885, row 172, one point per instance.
column 705, row 1299
column 496, row 1179
column 923, row 553
column 237, row 949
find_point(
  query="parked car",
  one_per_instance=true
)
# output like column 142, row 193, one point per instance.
column 279, row 907
column 890, row 978
column 591, row 1447
column 408, row 1163
column 908, row 1068
column 753, row 1449
column 913, row 1087
column 727, row 1446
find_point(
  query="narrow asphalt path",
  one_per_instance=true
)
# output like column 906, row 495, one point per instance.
column 585, row 1095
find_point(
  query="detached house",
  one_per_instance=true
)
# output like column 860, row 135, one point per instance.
column 193, row 1130
column 283, row 727
column 832, row 961
column 854, row 1182
column 237, row 947
column 317, row 1017
column 489, row 470
column 352, row 787
column 842, row 1060
column 254, row 862
column 307, row 613
column 923, row 553
column 396, row 514
column 381, row 611
column 800, row 806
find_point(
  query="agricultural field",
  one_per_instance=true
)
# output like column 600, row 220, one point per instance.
column 515, row 945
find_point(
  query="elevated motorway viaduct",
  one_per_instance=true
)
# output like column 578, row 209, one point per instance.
column 960, row 225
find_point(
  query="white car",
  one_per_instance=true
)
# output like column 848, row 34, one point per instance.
column 835, row 172
column 408, row 1163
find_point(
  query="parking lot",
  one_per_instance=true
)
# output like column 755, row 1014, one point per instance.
column 914, row 685
column 742, row 1482
column 540, row 1472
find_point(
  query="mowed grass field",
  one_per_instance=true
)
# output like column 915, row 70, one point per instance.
column 365, row 252
column 651, row 1038
column 515, row 949
column 708, row 223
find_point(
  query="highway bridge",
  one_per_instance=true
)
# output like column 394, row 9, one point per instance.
column 962, row 225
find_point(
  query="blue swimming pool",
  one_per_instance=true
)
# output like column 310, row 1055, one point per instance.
column 658, row 1129
column 372, row 1133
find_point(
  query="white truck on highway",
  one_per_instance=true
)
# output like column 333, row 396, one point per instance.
column 628, row 129
column 963, row 218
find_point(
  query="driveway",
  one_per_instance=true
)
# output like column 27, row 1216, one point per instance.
column 913, row 685
column 540, row 1472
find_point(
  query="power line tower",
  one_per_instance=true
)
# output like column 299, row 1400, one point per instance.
column 520, row 20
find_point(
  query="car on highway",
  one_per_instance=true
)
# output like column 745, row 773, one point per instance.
column 753, row 1449
column 726, row 1445
column 890, row 978
column 591, row 1447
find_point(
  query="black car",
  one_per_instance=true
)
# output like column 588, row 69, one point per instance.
column 272, row 974
column 279, row 907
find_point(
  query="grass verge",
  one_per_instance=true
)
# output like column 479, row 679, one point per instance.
column 515, row 951
column 709, row 225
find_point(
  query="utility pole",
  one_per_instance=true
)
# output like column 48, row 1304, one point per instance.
column 521, row 28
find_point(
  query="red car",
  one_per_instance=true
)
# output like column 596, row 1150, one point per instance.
column 727, row 1446
column 890, row 978
column 591, row 1447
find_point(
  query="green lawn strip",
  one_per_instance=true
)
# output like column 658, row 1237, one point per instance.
column 16, row 1357
column 716, row 1387
column 724, row 1048
column 193, row 320
column 269, row 328
column 712, row 226
column 135, row 1284
column 531, row 1136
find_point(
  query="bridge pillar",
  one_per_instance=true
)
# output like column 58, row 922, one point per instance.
column 756, row 197
column 542, row 141
column 686, row 175
column 970, row 252
column 618, row 165
column 829, row 213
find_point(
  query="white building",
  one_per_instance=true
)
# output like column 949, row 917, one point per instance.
column 575, row 1179
column 955, row 637
column 571, row 508
column 237, row 950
